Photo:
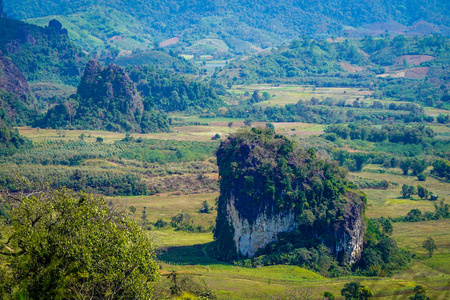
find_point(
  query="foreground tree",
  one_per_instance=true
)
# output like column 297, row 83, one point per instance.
column 72, row 246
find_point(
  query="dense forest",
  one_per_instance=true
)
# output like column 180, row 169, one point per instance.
column 168, row 92
column 237, row 23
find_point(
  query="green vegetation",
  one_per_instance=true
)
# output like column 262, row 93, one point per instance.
column 167, row 92
column 378, row 106
column 42, row 54
column 66, row 245
column 10, row 140
column 262, row 169
column 239, row 24
column 152, row 151
column 106, row 99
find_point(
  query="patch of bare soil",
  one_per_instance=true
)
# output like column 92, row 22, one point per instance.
column 191, row 183
column 413, row 59
column 335, row 40
column 168, row 42
column 351, row 68
column 115, row 38
column 417, row 73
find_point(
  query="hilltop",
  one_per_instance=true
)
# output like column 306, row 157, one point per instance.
column 244, row 26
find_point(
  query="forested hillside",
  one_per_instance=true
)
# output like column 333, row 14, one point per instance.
column 412, row 69
column 41, row 54
column 169, row 93
column 10, row 140
column 106, row 99
column 240, row 24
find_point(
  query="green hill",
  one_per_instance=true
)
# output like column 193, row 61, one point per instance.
column 257, row 23
column 41, row 54
column 106, row 99
column 412, row 69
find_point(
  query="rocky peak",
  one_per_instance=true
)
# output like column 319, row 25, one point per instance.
column 92, row 69
column 56, row 25
column 268, row 186
column 109, row 84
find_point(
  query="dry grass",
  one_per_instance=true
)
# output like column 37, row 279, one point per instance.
column 282, row 95
column 165, row 206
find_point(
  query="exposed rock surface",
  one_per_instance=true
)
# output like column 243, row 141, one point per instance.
column 268, row 186
column 12, row 79
column 250, row 237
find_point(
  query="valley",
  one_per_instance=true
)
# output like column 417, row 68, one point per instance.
column 212, row 150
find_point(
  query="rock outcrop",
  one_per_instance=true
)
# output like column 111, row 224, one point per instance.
column 110, row 85
column 268, row 186
column 106, row 99
column 12, row 79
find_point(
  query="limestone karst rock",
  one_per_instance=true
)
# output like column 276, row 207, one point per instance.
column 12, row 79
column 269, row 186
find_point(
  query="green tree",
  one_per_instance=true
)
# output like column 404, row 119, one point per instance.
column 429, row 245
column 328, row 295
column 422, row 192
column 387, row 227
column 72, row 246
column 418, row 166
column 405, row 165
column 351, row 290
column 230, row 124
column 408, row 191
column 206, row 209
column 356, row 291
column 419, row 293
column 132, row 209
column 270, row 126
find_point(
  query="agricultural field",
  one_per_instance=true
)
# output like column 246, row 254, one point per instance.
column 188, row 252
column 291, row 94
column 135, row 138
column 165, row 180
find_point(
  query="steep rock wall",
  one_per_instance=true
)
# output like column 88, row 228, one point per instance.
column 250, row 237
column 270, row 187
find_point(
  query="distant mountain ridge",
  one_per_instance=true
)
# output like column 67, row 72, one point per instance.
column 261, row 23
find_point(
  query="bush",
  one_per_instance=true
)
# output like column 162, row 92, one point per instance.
column 421, row 177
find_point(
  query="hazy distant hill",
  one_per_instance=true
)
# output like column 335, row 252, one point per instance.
column 240, row 24
column 41, row 54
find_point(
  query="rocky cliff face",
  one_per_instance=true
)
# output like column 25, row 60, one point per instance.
column 12, row 79
column 268, row 187
column 107, row 85
column 249, row 236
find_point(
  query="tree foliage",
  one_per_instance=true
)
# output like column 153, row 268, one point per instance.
column 429, row 245
column 72, row 246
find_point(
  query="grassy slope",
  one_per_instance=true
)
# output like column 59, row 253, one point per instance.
column 92, row 29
